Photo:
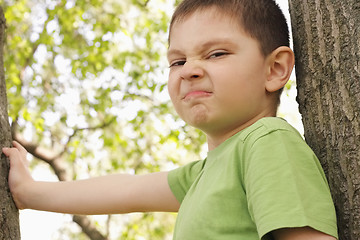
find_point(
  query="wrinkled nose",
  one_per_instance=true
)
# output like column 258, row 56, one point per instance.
column 191, row 70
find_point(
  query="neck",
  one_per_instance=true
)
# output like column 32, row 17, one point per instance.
column 214, row 139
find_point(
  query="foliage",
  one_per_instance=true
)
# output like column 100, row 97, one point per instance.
column 87, row 80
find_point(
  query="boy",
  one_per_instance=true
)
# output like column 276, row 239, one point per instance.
column 229, row 60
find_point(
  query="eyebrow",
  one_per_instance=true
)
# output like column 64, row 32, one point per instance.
column 204, row 46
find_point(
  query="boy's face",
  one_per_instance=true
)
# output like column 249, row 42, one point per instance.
column 217, row 74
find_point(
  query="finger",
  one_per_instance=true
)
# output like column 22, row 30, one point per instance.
column 16, row 158
column 7, row 151
column 21, row 149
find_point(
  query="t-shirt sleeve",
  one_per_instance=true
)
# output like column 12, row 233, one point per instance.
column 181, row 179
column 286, row 186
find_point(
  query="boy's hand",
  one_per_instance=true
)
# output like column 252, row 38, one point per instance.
column 19, row 175
column 118, row 193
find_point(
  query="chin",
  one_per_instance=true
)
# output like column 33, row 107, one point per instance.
column 199, row 121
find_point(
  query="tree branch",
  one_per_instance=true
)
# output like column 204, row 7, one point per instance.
column 88, row 228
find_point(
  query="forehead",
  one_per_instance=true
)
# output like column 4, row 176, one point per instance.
column 213, row 12
column 205, row 30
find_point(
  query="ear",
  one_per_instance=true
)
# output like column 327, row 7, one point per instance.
column 280, row 65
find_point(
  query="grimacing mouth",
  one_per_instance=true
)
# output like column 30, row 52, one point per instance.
column 196, row 93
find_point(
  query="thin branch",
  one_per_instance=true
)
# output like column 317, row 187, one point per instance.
column 100, row 126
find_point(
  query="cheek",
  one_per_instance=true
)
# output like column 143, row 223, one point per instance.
column 174, row 93
column 173, row 89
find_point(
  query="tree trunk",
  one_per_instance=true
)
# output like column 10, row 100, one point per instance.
column 9, row 215
column 326, row 42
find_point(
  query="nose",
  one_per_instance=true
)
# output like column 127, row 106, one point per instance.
column 192, row 70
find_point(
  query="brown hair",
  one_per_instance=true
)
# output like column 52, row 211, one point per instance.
column 261, row 19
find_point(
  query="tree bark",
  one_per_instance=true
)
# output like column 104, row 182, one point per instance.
column 9, row 215
column 326, row 42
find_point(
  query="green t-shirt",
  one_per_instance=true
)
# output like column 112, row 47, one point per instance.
column 261, row 179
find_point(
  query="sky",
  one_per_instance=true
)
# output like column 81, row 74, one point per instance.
column 45, row 226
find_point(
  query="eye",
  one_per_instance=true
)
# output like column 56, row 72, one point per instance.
column 218, row 54
column 177, row 63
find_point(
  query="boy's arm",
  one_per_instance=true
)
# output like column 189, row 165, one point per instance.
column 118, row 193
column 302, row 233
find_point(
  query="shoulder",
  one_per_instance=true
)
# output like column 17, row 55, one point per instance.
column 271, row 124
column 270, row 128
column 274, row 145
